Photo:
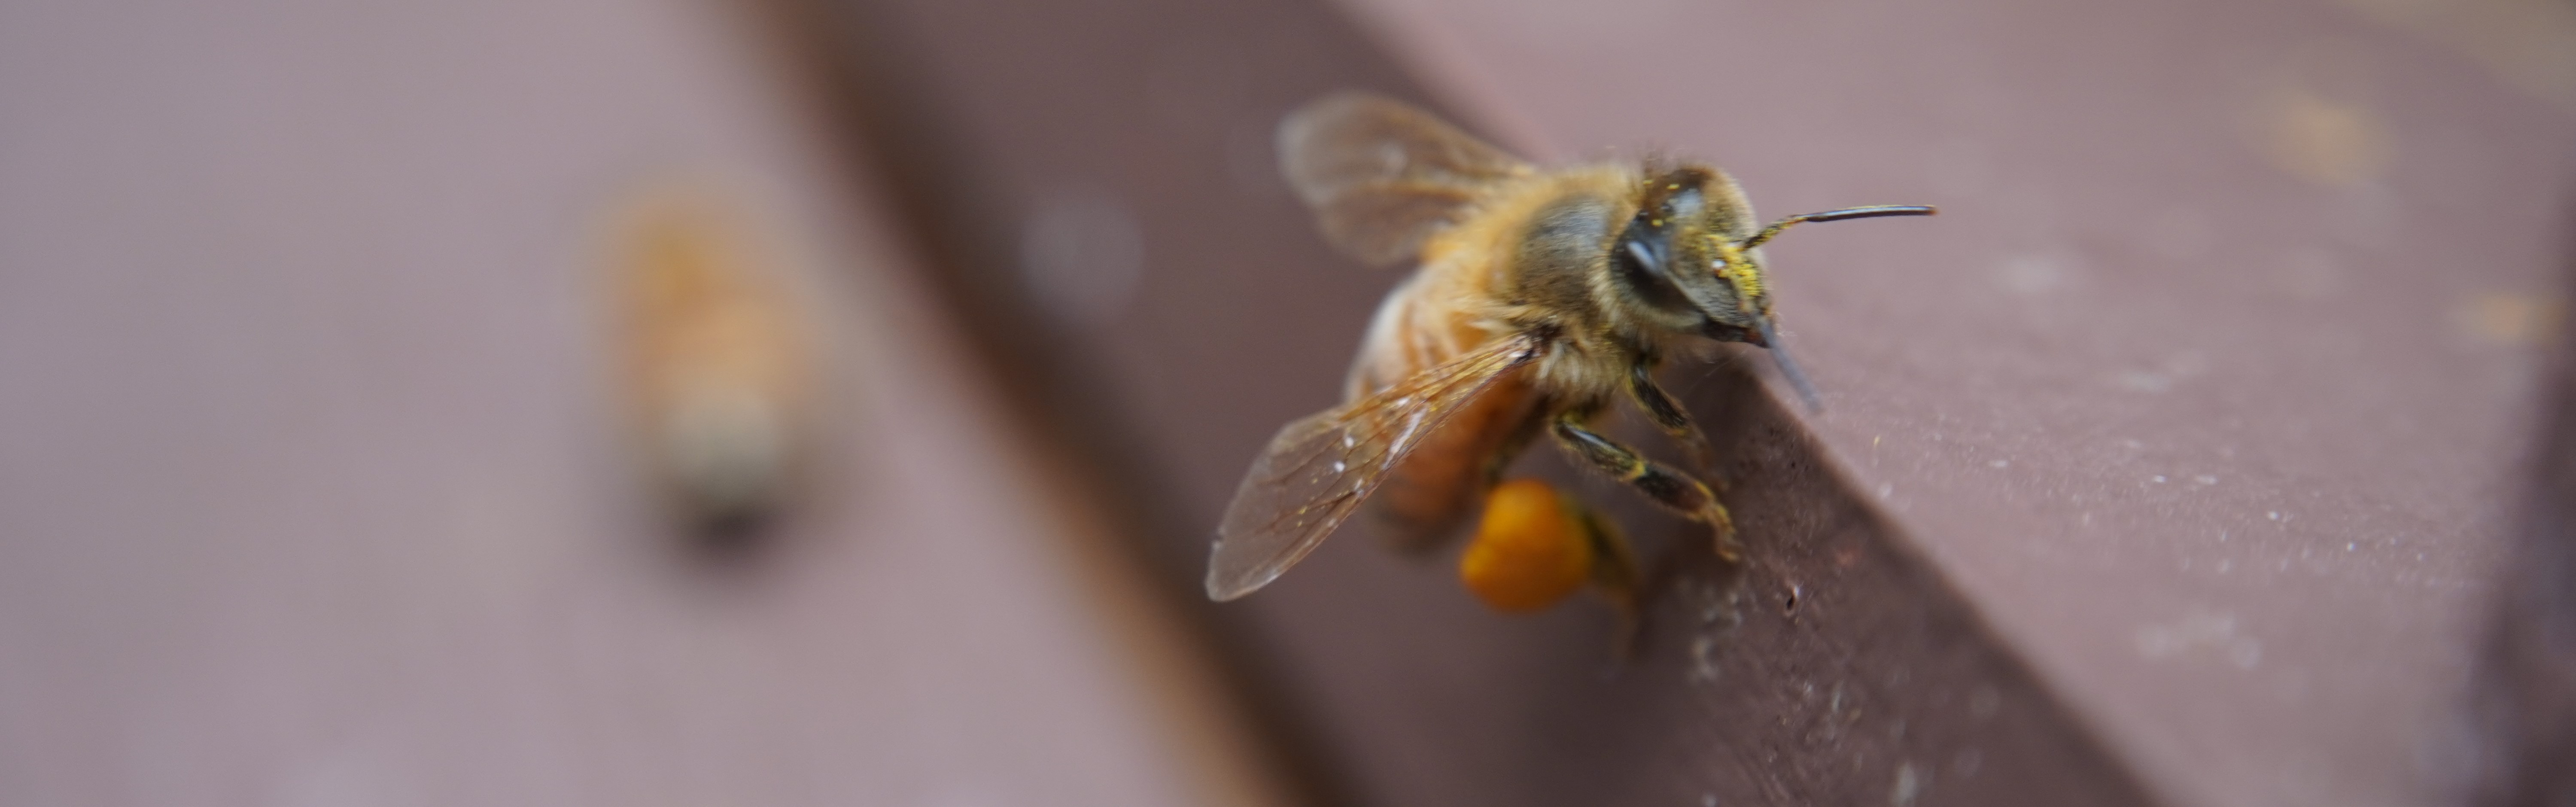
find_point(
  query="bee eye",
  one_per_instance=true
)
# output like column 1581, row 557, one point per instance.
column 1639, row 259
column 1640, row 263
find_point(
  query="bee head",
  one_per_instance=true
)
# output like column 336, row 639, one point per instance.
column 1692, row 252
column 1683, row 254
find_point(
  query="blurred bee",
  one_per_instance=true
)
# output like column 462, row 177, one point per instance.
column 719, row 376
column 1541, row 296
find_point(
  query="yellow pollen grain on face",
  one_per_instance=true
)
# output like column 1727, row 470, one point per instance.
column 1529, row 551
column 1735, row 269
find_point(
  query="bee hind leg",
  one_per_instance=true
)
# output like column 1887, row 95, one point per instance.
column 1525, row 428
column 1537, row 544
column 1665, row 484
column 1616, row 575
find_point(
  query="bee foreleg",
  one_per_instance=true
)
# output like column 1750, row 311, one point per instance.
column 1666, row 485
column 1668, row 415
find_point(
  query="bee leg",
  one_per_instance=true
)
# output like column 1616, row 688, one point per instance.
column 1615, row 573
column 1668, row 415
column 1513, row 443
column 1536, row 544
column 1663, row 483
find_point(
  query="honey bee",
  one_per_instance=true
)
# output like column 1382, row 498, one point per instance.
column 718, row 367
column 1540, row 297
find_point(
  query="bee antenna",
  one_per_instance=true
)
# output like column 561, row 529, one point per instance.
column 1789, row 368
column 1870, row 212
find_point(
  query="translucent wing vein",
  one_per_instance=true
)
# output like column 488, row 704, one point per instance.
column 1381, row 176
column 1317, row 470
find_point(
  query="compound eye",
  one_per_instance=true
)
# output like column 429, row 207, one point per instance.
column 1638, row 258
column 1642, row 264
column 1686, row 204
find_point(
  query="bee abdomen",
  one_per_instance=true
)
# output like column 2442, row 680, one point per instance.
column 1423, row 501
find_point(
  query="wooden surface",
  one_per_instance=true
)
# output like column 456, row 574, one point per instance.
column 2211, row 385
column 2203, row 399
column 2170, row 465
column 311, row 485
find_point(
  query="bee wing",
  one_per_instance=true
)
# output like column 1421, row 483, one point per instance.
column 1381, row 175
column 1318, row 470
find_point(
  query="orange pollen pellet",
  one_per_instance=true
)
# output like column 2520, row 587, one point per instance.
column 1530, row 550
